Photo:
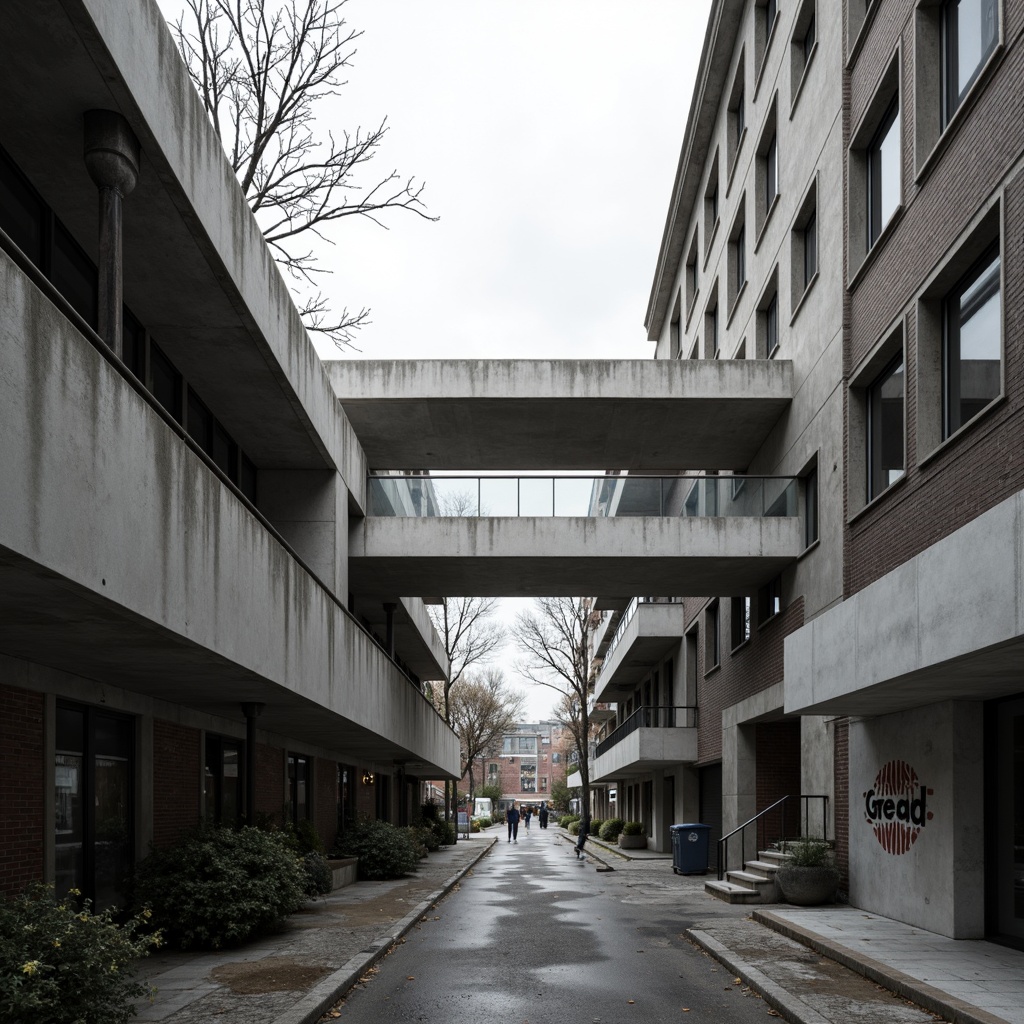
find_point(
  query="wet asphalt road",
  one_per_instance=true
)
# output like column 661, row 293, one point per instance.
column 534, row 937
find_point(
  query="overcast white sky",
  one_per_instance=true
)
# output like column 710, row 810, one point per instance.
column 547, row 132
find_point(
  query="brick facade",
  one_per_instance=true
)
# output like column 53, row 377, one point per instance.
column 270, row 794
column 777, row 746
column 841, row 789
column 177, row 777
column 21, row 788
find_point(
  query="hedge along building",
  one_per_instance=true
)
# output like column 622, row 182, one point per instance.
column 179, row 640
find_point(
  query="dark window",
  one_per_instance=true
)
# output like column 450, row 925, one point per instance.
column 972, row 343
column 769, row 600
column 712, row 332
column 771, row 325
column 740, row 624
column 674, row 336
column 223, row 774
column 810, row 248
column 73, row 274
column 247, row 478
column 94, row 838
column 811, row 507
column 771, row 170
column 713, row 205
column 224, row 452
column 346, row 797
column 739, row 112
column 741, row 257
column 771, row 8
column 883, row 168
column 166, row 382
column 713, row 638
column 299, row 779
column 200, row 422
column 808, row 40
column 134, row 341
column 885, row 428
column 970, row 31
column 23, row 215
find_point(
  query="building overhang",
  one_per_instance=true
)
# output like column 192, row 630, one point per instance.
column 646, row 750
column 550, row 557
column 652, row 632
column 947, row 624
column 639, row 415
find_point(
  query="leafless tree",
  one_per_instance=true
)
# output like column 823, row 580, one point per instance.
column 261, row 68
column 482, row 708
column 555, row 640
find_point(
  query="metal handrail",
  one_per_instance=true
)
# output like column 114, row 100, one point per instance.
column 805, row 798
column 649, row 716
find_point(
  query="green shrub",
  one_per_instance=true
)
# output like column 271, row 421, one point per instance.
column 220, row 886
column 474, row 826
column 318, row 877
column 611, row 828
column 429, row 811
column 384, row 850
column 59, row 963
column 424, row 835
column 632, row 828
column 567, row 819
column 574, row 827
column 595, row 826
column 444, row 831
column 809, row 853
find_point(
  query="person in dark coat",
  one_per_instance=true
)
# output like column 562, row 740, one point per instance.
column 512, row 817
column 582, row 840
column 542, row 814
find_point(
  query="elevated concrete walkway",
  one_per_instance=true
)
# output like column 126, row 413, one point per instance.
column 562, row 414
column 546, row 557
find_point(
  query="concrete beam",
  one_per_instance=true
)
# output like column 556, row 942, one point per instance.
column 644, row 751
column 568, row 556
column 642, row 415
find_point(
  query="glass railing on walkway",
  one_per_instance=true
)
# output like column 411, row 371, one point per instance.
column 584, row 496
column 653, row 717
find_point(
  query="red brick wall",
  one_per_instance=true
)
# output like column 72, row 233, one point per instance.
column 777, row 750
column 325, row 800
column 983, row 465
column 753, row 668
column 841, row 784
column 21, row 789
column 270, row 796
column 177, row 765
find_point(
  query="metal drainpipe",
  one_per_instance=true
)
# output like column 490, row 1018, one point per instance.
column 112, row 157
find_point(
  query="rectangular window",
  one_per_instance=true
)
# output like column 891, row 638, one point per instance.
column 22, row 213
column 299, row 778
column 247, row 478
column 223, row 774
column 771, row 325
column 528, row 778
column 771, row 171
column 200, row 422
column 883, row 170
column 740, row 257
column 166, row 382
column 712, row 638
column 739, row 114
column 972, row 347
column 810, row 249
column 811, row 507
column 769, row 600
column 970, row 32
column 692, row 271
column 73, row 274
column 885, row 428
column 809, row 39
column 740, row 621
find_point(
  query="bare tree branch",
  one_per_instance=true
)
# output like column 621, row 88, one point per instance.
column 261, row 67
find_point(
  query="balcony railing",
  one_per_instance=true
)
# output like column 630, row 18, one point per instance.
column 426, row 496
column 653, row 717
column 627, row 617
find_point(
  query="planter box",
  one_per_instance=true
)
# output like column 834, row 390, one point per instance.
column 632, row 842
column 807, row 887
column 343, row 871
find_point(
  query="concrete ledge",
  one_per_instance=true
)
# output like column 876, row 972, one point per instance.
column 319, row 999
column 344, row 871
column 932, row 999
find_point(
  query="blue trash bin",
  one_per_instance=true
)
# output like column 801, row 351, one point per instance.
column 690, row 848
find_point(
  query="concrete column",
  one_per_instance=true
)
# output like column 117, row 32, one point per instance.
column 112, row 158
column 252, row 710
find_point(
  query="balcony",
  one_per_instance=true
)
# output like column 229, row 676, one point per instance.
column 651, row 738
column 648, row 632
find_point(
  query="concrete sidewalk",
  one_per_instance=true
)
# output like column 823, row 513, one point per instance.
column 295, row 976
column 769, row 947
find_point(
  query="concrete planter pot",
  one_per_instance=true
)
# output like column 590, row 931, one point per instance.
column 632, row 842
column 807, row 887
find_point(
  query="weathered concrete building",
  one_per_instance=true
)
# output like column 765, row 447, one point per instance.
column 179, row 637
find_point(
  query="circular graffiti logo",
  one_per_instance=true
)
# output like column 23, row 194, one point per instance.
column 897, row 807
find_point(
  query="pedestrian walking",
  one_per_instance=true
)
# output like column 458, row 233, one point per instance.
column 542, row 814
column 582, row 840
column 527, row 815
column 512, row 817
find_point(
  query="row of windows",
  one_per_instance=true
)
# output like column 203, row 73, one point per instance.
column 742, row 610
column 38, row 233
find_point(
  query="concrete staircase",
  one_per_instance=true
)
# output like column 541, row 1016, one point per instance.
column 755, row 883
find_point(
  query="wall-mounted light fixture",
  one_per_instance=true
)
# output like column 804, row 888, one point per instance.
column 367, row 778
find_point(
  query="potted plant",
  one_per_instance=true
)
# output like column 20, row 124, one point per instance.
column 809, row 877
column 632, row 836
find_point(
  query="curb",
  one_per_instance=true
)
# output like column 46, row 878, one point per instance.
column 920, row 992
column 792, row 1007
column 319, row 999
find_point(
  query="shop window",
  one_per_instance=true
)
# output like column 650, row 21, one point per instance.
column 94, row 775
column 223, row 780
